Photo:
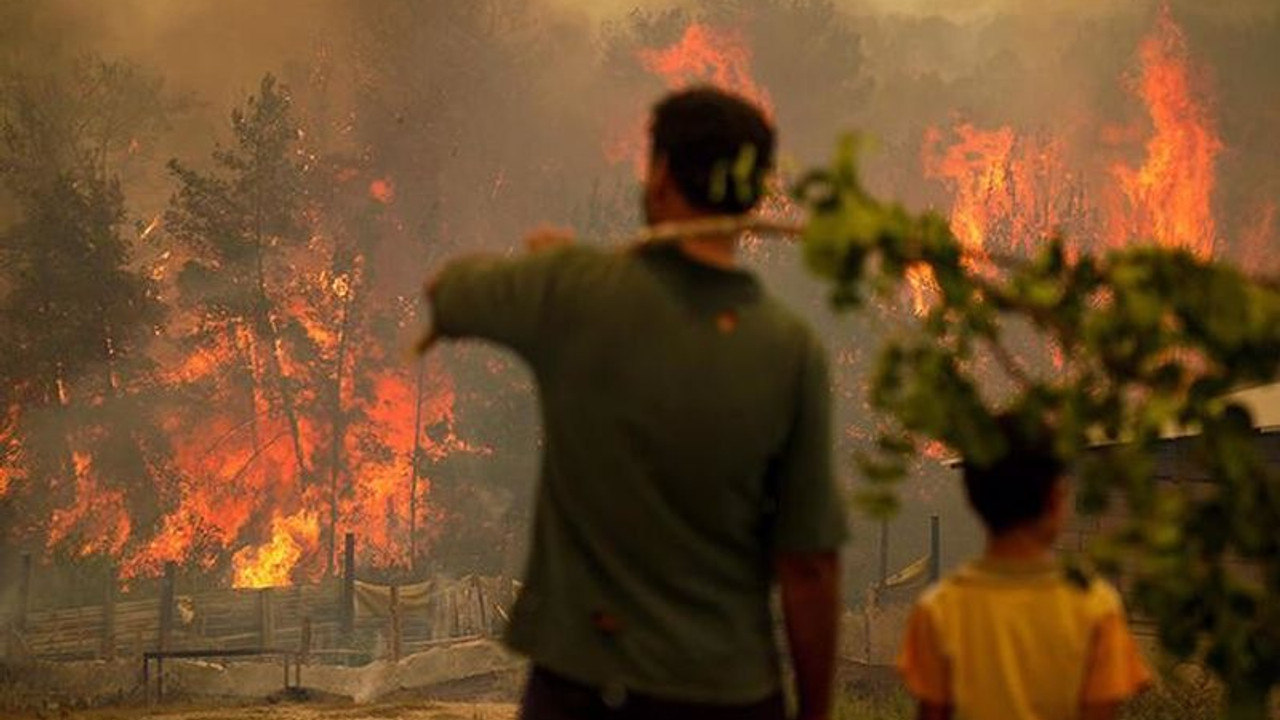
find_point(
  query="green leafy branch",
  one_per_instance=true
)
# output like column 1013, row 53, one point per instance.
column 1150, row 343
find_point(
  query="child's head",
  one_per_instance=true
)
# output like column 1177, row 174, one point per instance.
column 1023, row 489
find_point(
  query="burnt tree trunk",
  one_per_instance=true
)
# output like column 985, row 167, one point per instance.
column 347, row 607
column 413, row 469
column 338, row 429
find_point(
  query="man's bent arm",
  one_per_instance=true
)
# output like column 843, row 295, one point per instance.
column 504, row 300
column 810, row 585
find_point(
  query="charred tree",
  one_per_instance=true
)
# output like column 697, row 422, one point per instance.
column 243, row 221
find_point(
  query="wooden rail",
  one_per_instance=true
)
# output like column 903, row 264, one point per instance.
column 159, row 657
column 336, row 618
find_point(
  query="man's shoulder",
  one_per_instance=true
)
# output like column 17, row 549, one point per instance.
column 574, row 255
column 570, row 266
column 789, row 324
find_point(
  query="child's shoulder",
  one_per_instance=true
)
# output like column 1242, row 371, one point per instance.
column 981, row 578
column 1102, row 598
column 946, row 589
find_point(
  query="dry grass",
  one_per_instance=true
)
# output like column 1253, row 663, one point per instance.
column 287, row 711
column 1184, row 696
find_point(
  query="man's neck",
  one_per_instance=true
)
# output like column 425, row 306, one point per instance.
column 717, row 251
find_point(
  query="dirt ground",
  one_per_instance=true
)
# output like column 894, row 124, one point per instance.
column 292, row 711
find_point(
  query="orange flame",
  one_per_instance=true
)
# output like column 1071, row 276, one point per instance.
column 97, row 513
column 1169, row 198
column 707, row 55
column 272, row 564
column 1008, row 190
column 1009, row 193
column 703, row 55
column 976, row 168
column 241, row 493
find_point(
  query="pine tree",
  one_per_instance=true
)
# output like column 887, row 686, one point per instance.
column 242, row 222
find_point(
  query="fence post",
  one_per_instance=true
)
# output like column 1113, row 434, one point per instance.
column 304, row 651
column 395, row 623
column 884, row 552
column 266, row 628
column 109, row 617
column 935, row 550
column 24, row 593
column 347, row 610
column 166, row 604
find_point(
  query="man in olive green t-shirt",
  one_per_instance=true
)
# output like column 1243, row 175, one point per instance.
column 687, row 456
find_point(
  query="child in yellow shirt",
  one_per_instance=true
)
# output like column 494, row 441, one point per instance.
column 1010, row 636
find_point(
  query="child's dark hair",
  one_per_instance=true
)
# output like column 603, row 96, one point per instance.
column 1014, row 489
column 718, row 147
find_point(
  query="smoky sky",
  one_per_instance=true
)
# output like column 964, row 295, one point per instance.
column 485, row 136
column 946, row 8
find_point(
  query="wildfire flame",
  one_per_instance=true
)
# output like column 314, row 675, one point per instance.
column 702, row 55
column 97, row 519
column 272, row 564
column 1169, row 198
column 255, row 486
column 247, row 488
column 707, row 55
column 1009, row 191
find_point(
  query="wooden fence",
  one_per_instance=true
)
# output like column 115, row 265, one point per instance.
column 336, row 620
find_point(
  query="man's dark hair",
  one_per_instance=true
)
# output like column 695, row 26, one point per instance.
column 1015, row 488
column 718, row 147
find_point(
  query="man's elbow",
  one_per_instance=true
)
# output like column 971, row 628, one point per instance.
column 808, row 569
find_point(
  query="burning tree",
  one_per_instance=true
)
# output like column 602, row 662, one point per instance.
column 238, row 226
column 78, row 312
column 76, row 317
column 316, row 424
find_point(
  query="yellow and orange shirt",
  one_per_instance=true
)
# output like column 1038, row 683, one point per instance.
column 1001, row 640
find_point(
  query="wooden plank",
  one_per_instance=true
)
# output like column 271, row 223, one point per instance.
column 166, row 604
column 108, row 649
column 348, row 603
column 395, row 624
column 266, row 627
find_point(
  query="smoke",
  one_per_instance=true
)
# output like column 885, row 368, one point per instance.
column 433, row 128
column 968, row 9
